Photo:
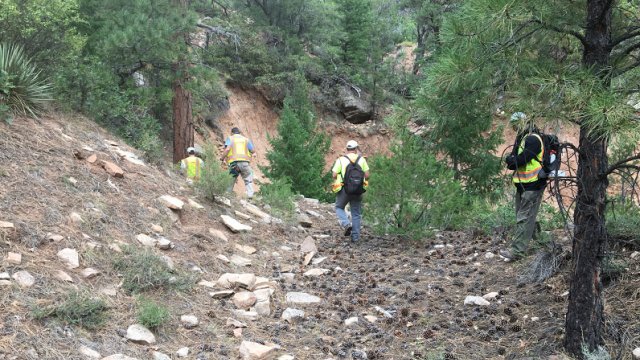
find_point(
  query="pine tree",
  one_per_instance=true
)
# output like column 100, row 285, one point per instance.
column 298, row 150
column 561, row 61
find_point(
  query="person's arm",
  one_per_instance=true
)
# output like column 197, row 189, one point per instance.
column 251, row 148
column 532, row 147
column 225, row 152
column 337, row 167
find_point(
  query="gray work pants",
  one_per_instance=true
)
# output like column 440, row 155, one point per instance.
column 527, row 206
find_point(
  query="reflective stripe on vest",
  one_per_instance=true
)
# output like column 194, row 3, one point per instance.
column 239, row 149
column 193, row 165
column 528, row 173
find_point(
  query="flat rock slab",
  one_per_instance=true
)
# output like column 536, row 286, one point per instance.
column 476, row 300
column 234, row 225
column 249, row 250
column 254, row 351
column 301, row 298
column 69, row 257
column 24, row 279
column 244, row 299
column 146, row 240
column 308, row 245
column 6, row 225
column 118, row 357
column 171, row 202
column 139, row 334
column 112, row 169
column 240, row 261
column 221, row 294
column 291, row 315
column 229, row 281
column 317, row 272
column 218, row 234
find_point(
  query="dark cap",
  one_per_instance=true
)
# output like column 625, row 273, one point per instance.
column 235, row 130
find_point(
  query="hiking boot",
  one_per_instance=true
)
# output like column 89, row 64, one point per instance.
column 347, row 230
column 508, row 255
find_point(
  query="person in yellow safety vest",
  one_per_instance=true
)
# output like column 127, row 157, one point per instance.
column 191, row 166
column 237, row 153
column 525, row 160
column 351, row 228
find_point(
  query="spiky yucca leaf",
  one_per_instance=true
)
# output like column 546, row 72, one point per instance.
column 22, row 89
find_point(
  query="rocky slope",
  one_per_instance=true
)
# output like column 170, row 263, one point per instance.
column 81, row 214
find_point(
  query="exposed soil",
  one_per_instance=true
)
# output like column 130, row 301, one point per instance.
column 251, row 113
column 421, row 286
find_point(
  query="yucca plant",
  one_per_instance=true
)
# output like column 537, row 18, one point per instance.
column 22, row 89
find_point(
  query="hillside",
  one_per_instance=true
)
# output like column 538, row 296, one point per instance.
column 382, row 299
column 252, row 114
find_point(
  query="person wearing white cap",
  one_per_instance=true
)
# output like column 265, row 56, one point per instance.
column 191, row 166
column 526, row 161
column 350, row 173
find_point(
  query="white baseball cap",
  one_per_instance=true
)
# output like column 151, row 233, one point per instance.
column 191, row 149
column 352, row 144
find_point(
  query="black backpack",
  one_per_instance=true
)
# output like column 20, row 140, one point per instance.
column 353, row 180
column 550, row 157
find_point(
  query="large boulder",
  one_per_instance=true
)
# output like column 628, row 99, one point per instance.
column 354, row 105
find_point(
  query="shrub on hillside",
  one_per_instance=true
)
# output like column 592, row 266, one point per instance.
column 411, row 191
column 22, row 89
column 142, row 270
column 151, row 314
column 297, row 152
column 77, row 309
column 279, row 197
column 214, row 180
column 623, row 222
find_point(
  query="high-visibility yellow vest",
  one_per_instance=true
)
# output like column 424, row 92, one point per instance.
column 193, row 165
column 528, row 172
column 239, row 149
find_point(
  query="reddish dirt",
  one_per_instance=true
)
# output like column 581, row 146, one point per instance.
column 251, row 113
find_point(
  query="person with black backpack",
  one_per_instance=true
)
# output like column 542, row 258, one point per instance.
column 350, row 174
column 531, row 163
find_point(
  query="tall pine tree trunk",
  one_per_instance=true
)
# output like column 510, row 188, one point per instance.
column 584, row 319
column 183, row 131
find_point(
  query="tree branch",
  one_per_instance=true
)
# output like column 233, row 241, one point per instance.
column 224, row 8
column 220, row 31
column 623, row 164
column 623, row 70
column 557, row 29
column 635, row 31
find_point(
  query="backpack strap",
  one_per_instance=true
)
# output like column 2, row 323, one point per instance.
column 353, row 162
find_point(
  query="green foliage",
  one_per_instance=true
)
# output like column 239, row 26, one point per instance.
column 598, row 354
column 297, row 152
column 623, row 222
column 151, row 314
column 45, row 28
column 412, row 191
column 357, row 25
column 279, row 197
column 142, row 270
column 79, row 308
column 22, row 89
column 497, row 215
column 214, row 180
